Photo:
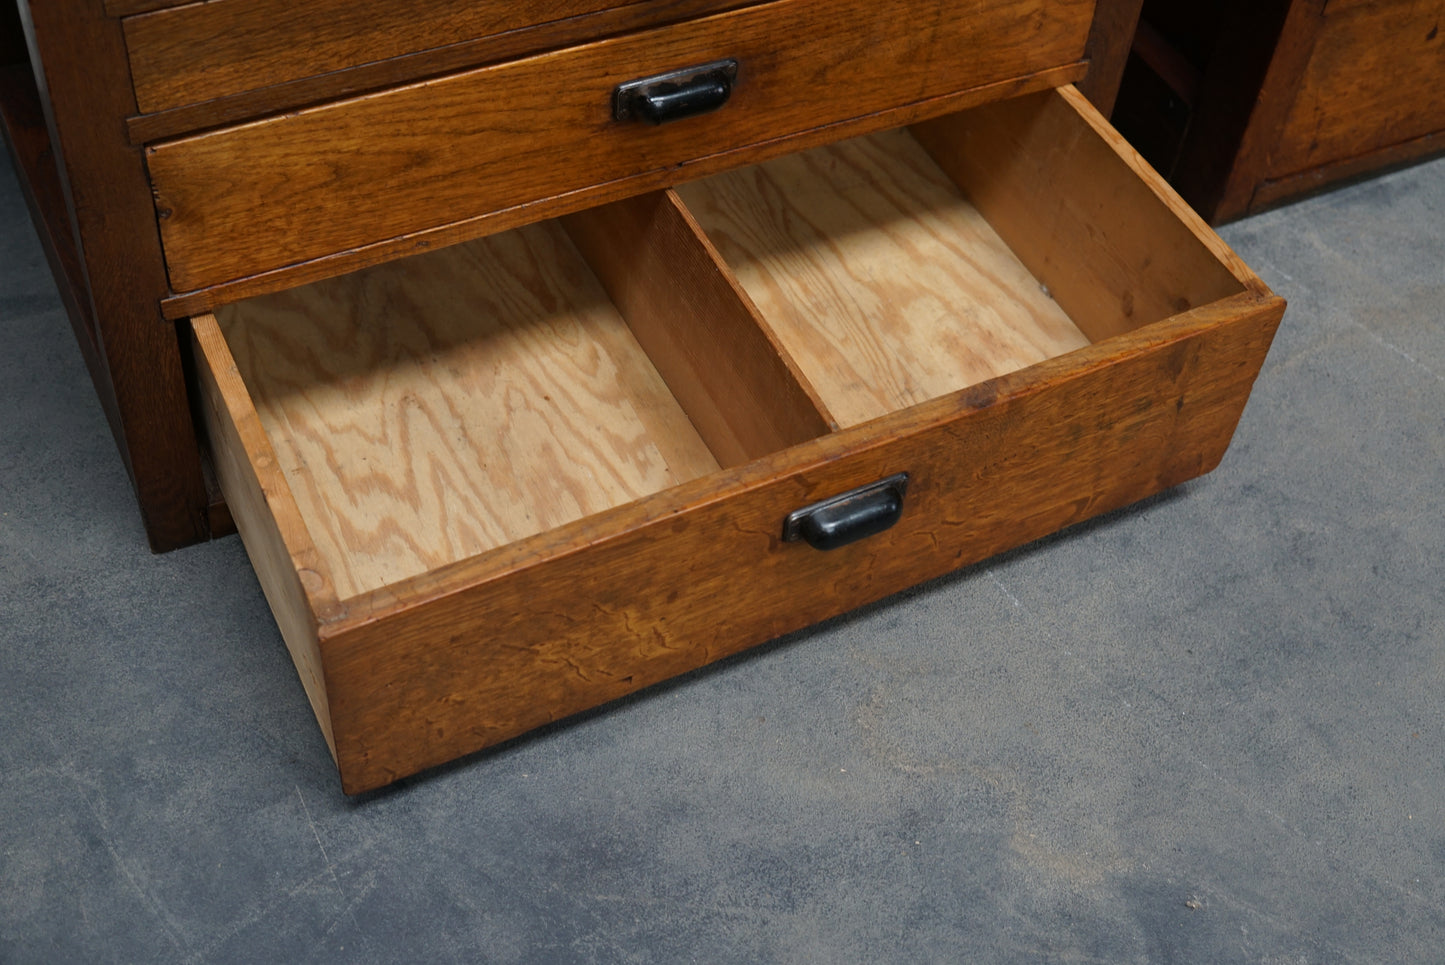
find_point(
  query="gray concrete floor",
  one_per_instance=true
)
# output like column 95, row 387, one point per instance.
column 1206, row 729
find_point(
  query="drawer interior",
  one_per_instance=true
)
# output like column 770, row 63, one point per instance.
column 442, row 406
column 877, row 275
column 436, row 408
column 902, row 266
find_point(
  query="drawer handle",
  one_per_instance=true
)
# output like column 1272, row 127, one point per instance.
column 850, row 517
column 676, row 94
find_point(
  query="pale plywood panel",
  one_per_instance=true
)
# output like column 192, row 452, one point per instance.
column 441, row 406
column 887, row 286
column 743, row 393
column 1115, row 245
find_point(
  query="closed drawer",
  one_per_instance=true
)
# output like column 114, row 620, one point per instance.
column 498, row 484
column 241, row 201
column 1372, row 81
column 197, row 52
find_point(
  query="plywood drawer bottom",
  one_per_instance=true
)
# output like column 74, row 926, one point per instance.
column 498, row 484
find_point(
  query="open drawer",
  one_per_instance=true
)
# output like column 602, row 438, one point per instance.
column 498, row 484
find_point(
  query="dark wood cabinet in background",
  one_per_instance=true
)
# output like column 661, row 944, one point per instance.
column 1243, row 104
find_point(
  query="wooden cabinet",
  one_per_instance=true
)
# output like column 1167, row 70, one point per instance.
column 520, row 407
column 1247, row 104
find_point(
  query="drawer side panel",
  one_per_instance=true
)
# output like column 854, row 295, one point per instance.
column 292, row 576
column 459, row 661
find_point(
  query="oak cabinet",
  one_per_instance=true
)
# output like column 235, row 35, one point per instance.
column 522, row 402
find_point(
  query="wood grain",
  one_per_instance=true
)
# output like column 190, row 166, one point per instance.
column 738, row 385
column 1378, row 161
column 253, row 198
column 123, row 8
column 461, row 659
column 86, row 89
column 1110, row 39
column 880, row 279
column 294, row 576
column 185, row 304
column 227, row 60
column 1374, row 79
column 206, row 50
column 1114, row 244
column 439, row 407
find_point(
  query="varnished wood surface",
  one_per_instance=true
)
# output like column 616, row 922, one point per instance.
column 1377, row 161
column 739, row 386
column 122, row 8
column 1299, row 93
column 245, row 200
column 1110, row 39
column 207, row 50
column 186, row 304
column 885, row 284
column 1375, row 78
column 1114, row 244
column 216, row 63
column 494, row 647
column 442, row 406
column 112, row 217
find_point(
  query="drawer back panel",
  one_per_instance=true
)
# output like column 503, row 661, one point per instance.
column 255, row 198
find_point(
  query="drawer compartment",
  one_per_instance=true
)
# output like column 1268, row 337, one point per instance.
column 495, row 485
column 460, row 152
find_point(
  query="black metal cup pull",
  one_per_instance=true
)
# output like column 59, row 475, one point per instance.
column 676, row 94
column 850, row 517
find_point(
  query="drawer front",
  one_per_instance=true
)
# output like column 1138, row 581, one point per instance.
column 1373, row 80
column 204, row 51
column 453, row 666
column 424, row 684
column 241, row 201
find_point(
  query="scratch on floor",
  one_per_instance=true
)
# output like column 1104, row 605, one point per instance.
column 317, row 835
column 281, row 900
column 151, row 905
column 1391, row 346
column 999, row 583
column 367, row 887
column 349, row 910
column 1284, row 823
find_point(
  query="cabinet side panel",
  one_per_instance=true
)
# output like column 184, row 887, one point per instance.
column 84, row 84
column 1110, row 39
